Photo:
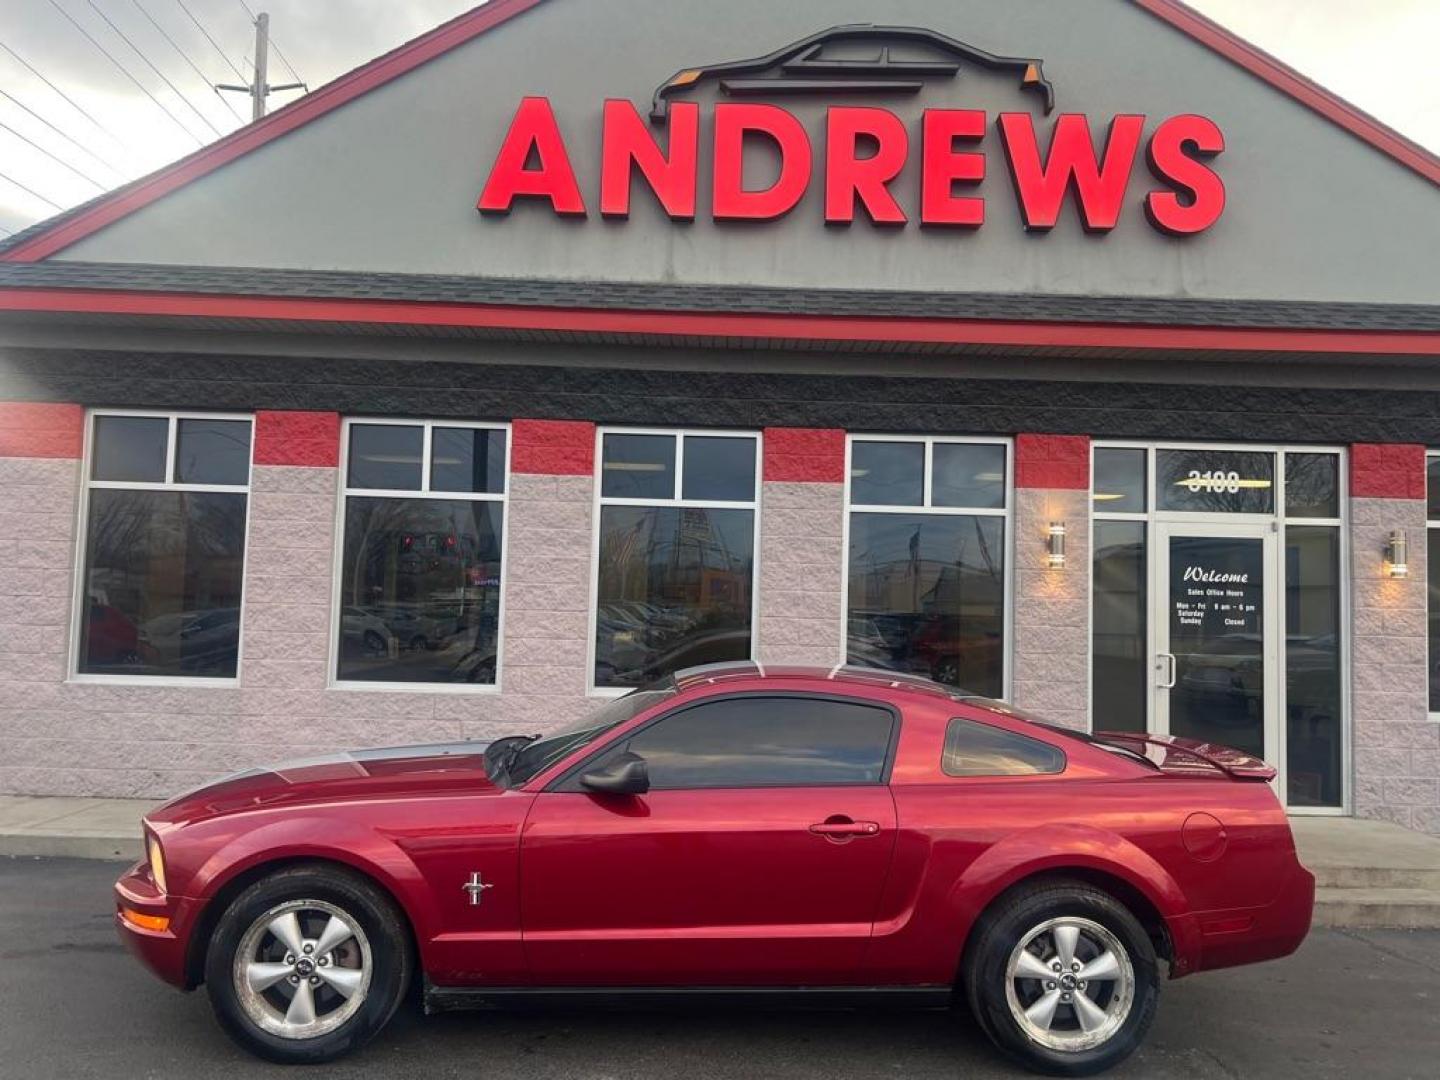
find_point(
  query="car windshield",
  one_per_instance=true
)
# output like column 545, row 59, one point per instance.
column 539, row 754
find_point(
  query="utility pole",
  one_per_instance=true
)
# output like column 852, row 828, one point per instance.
column 259, row 90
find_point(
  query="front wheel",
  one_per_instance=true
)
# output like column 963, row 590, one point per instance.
column 307, row 964
column 1063, row 978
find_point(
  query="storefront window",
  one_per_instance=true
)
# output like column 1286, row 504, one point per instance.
column 676, row 554
column 1210, row 638
column 1313, row 730
column 1215, row 481
column 927, row 575
column 1120, row 607
column 421, row 562
column 166, row 503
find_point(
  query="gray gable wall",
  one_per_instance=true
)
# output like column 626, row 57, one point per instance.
column 389, row 181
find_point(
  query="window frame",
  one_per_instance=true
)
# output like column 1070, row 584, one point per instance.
column 1278, row 518
column 1430, row 523
column 926, row 507
column 343, row 492
column 81, row 589
column 600, row 500
column 592, row 754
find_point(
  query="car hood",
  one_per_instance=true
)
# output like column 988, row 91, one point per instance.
column 386, row 772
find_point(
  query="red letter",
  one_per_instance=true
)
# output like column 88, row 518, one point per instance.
column 1041, row 187
column 627, row 141
column 533, row 128
column 847, row 176
column 731, row 201
column 942, row 168
column 1199, row 196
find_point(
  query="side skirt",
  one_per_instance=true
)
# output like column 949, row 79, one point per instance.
column 440, row 999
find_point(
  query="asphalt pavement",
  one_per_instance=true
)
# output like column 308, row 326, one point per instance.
column 74, row 1005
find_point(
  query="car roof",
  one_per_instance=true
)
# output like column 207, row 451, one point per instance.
column 841, row 675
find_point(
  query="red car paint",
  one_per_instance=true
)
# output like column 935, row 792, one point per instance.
column 732, row 887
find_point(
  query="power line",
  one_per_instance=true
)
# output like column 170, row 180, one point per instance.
column 126, row 72
column 31, row 191
column 201, row 27
column 141, row 53
column 53, row 157
column 186, row 57
column 59, row 131
column 293, row 73
column 71, row 101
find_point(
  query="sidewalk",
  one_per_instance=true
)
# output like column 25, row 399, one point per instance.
column 73, row 827
column 1368, row 874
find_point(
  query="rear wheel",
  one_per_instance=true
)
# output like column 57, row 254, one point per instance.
column 307, row 964
column 1063, row 978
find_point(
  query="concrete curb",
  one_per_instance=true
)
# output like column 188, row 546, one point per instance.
column 72, row 846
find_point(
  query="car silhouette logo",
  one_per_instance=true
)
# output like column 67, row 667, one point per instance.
column 813, row 66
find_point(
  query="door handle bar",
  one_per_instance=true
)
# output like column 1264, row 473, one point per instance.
column 1168, row 659
column 846, row 828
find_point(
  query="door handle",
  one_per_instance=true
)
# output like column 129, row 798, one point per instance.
column 1168, row 659
column 845, row 827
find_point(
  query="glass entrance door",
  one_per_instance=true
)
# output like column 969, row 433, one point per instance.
column 1216, row 659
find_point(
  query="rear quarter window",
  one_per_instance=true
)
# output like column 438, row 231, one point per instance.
column 975, row 749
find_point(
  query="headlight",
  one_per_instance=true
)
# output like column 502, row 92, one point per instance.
column 157, row 861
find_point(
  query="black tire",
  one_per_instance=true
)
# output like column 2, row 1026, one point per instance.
column 391, row 960
column 373, row 644
column 995, row 937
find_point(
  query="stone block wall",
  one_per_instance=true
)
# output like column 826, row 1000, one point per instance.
column 801, row 558
column 1051, row 654
column 1396, row 744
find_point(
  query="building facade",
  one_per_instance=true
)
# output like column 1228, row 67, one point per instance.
column 569, row 345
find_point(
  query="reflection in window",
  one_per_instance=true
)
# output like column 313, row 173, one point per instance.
column 1312, row 485
column 926, row 586
column 1119, row 643
column 676, row 558
column 1313, row 729
column 1119, row 486
column 1215, row 481
column 973, row 749
column 766, row 742
column 164, row 565
column 927, row 596
column 887, row 473
column 420, row 575
column 420, row 590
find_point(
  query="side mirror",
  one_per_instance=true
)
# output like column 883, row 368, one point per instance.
column 624, row 774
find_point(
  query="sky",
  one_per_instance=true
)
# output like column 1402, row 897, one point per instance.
column 1374, row 53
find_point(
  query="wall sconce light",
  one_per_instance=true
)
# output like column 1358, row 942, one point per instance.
column 1395, row 564
column 1056, row 546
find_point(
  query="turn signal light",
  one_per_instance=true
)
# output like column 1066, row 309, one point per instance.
column 145, row 922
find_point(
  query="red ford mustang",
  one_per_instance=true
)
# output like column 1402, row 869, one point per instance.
column 732, row 831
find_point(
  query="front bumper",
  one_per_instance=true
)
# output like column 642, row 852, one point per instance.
column 164, row 951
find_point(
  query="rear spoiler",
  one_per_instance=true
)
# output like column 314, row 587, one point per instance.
column 1178, row 756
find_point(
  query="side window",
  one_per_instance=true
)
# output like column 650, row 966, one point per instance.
column 164, row 545
column 973, row 749
column 766, row 742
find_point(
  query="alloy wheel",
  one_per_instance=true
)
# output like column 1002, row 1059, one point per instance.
column 1070, row 984
column 302, row 969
